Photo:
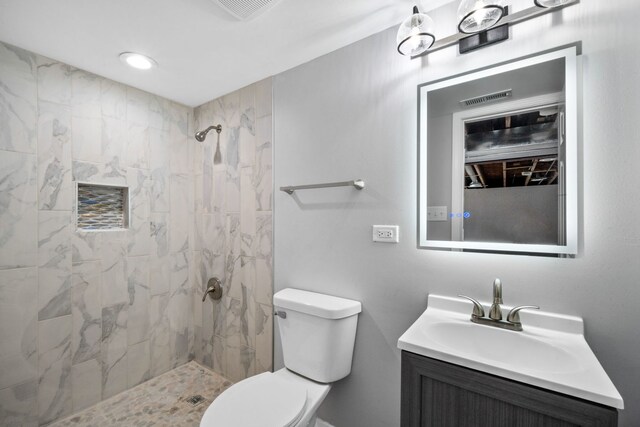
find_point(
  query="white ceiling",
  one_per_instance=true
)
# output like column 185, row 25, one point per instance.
column 202, row 51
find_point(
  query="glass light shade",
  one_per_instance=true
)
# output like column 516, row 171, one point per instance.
column 550, row 3
column 415, row 34
column 475, row 16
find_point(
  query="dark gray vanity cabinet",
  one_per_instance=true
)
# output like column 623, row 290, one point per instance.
column 440, row 394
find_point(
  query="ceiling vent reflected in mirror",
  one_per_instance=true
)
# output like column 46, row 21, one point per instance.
column 245, row 10
column 483, row 99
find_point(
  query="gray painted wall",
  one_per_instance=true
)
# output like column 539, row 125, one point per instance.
column 352, row 114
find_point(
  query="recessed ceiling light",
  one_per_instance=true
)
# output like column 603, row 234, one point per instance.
column 137, row 60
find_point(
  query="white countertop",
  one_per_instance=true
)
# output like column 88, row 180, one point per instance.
column 550, row 352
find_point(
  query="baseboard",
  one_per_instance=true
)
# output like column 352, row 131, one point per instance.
column 322, row 423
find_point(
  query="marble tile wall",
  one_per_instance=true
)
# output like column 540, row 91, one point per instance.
column 233, row 225
column 86, row 315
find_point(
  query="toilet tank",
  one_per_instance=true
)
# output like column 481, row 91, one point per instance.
column 318, row 333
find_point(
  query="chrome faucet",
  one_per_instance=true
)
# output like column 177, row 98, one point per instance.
column 495, row 313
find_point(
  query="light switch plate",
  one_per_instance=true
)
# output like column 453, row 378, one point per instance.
column 436, row 213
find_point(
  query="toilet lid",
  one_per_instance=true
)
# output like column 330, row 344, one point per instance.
column 260, row 401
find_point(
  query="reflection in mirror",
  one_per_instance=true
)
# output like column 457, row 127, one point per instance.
column 498, row 158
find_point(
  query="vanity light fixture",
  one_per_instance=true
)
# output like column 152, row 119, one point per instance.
column 138, row 61
column 415, row 34
column 480, row 23
column 475, row 16
column 550, row 3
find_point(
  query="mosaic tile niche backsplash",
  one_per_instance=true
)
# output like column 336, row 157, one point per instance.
column 102, row 207
column 233, row 223
column 87, row 314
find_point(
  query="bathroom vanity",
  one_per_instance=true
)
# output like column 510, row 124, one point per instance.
column 456, row 372
column 440, row 394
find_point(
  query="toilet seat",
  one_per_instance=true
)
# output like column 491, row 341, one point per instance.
column 260, row 401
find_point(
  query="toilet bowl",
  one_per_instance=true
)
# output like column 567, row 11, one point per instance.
column 282, row 399
column 317, row 332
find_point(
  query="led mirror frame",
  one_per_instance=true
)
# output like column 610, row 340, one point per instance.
column 570, row 54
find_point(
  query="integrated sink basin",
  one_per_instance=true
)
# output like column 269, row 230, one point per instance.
column 550, row 352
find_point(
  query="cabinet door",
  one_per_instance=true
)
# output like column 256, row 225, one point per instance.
column 440, row 394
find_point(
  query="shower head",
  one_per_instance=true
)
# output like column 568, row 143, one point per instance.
column 200, row 136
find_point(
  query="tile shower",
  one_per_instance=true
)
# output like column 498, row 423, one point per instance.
column 85, row 315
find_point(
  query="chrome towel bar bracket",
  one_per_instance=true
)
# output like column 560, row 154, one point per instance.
column 357, row 183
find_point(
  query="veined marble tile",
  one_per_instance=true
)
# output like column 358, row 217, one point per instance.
column 86, row 245
column 264, row 97
column 217, row 350
column 219, row 202
column 159, row 275
column 180, row 217
column 247, row 131
column 114, row 136
column 179, row 308
column 18, row 326
column 240, row 322
column 232, row 186
column 264, row 236
column 233, row 264
column 54, row 81
column 263, row 170
column 247, row 212
column 86, row 311
column 197, row 149
column 83, row 171
column 18, row 210
column 214, row 233
column 86, row 380
column 248, row 265
column 19, row 405
column 54, row 261
column 139, row 232
column 264, row 338
column 18, row 99
column 230, row 108
column 219, row 310
column 114, row 349
column 114, row 269
column 137, row 146
column 86, row 134
column 179, row 146
column 160, row 335
column 113, row 98
column 159, row 163
column 159, row 117
column 138, row 106
column 240, row 363
column 263, row 292
column 55, row 188
column 138, row 363
column 86, row 91
column 54, row 368
column 206, row 189
column 138, row 288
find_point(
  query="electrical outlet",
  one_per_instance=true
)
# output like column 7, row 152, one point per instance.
column 436, row 213
column 386, row 233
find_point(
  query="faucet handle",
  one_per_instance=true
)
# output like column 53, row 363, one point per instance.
column 514, row 316
column 478, row 309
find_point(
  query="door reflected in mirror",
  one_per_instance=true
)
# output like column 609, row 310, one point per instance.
column 498, row 158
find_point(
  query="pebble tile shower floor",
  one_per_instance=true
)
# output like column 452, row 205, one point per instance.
column 162, row 401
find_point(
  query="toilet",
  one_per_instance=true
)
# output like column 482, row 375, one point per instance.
column 318, row 333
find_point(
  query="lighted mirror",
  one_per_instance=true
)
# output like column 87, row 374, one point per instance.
column 498, row 158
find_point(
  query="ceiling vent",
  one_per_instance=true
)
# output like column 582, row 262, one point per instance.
column 246, row 9
column 496, row 96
